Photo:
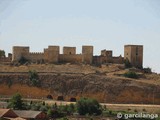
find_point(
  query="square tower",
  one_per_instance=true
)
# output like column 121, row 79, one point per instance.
column 53, row 54
column 134, row 53
column 69, row 50
column 87, row 54
column 19, row 52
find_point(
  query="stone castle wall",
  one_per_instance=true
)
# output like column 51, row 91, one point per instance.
column 134, row 53
column 118, row 60
column 64, row 58
column 5, row 60
column 35, row 56
column 103, row 59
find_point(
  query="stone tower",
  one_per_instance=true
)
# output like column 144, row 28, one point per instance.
column 53, row 54
column 19, row 52
column 107, row 53
column 134, row 53
column 69, row 50
column 87, row 54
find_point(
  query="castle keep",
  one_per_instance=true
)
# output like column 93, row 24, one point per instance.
column 132, row 53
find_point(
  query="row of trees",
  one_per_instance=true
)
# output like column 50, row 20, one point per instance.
column 85, row 106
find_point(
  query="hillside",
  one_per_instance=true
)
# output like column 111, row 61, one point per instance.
column 105, row 83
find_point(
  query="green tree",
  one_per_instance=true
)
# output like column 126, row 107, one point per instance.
column 50, row 113
column 88, row 106
column 2, row 53
column 16, row 102
column 72, row 108
column 33, row 77
column 36, row 106
column 43, row 108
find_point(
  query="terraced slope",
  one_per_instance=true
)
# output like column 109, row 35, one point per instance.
column 104, row 83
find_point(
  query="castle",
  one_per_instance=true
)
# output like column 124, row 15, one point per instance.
column 132, row 53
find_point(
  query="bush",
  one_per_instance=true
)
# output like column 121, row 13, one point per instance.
column 127, row 63
column 36, row 106
column 43, row 108
column 147, row 70
column 16, row 102
column 72, row 108
column 54, row 113
column 68, row 109
column 34, row 79
column 88, row 106
column 50, row 113
column 55, row 107
column 2, row 53
column 131, row 74
column 23, row 60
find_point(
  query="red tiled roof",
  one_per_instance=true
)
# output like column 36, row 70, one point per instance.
column 3, row 111
column 7, row 113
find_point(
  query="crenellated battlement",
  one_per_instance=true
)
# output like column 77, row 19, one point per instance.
column 134, row 53
column 36, row 53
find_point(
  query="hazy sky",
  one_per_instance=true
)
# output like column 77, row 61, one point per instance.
column 105, row 24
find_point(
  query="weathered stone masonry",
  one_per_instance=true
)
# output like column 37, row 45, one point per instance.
column 134, row 53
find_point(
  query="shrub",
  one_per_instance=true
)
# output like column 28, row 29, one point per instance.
column 54, row 113
column 43, row 108
column 131, row 74
column 50, row 113
column 88, row 106
column 2, row 53
column 16, row 102
column 110, row 112
column 55, row 107
column 66, row 109
column 26, row 106
column 36, row 106
column 23, row 60
column 34, row 79
column 147, row 70
column 71, row 109
column 127, row 63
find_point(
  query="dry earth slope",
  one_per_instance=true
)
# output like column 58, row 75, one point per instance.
column 103, row 83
